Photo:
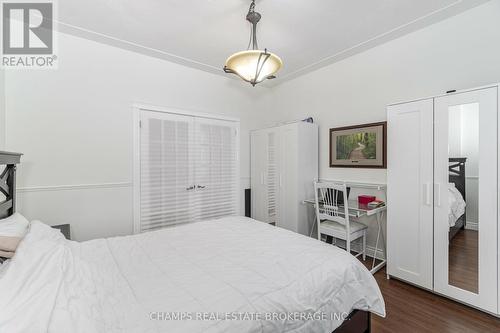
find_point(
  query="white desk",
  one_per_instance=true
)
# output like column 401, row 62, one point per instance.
column 356, row 210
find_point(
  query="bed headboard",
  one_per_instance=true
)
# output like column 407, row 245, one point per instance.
column 457, row 173
column 8, row 163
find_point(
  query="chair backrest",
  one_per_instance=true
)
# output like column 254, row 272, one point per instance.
column 326, row 195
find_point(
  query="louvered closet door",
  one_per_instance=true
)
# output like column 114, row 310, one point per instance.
column 265, row 175
column 165, row 170
column 272, row 176
column 215, row 159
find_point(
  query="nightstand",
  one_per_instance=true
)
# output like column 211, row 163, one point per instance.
column 65, row 230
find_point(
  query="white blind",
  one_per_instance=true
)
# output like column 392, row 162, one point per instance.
column 215, row 169
column 188, row 169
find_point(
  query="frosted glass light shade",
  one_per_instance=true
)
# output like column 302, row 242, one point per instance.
column 247, row 64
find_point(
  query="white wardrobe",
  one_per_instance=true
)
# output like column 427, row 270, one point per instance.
column 284, row 164
column 442, row 187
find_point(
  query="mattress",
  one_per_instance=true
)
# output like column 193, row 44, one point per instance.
column 228, row 275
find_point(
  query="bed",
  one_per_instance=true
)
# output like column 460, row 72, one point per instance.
column 456, row 195
column 232, row 274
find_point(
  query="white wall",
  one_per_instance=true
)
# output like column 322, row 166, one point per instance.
column 74, row 123
column 470, row 149
column 74, row 126
column 455, row 131
column 460, row 52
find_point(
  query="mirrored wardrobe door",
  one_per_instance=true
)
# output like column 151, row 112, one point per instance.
column 465, row 192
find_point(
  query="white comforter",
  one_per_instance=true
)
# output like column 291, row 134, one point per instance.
column 229, row 275
column 456, row 204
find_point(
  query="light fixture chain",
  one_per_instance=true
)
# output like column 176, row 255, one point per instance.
column 242, row 63
column 255, row 46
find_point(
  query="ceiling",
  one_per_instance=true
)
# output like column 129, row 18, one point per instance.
column 306, row 34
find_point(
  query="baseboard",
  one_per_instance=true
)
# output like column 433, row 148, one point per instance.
column 370, row 250
column 471, row 226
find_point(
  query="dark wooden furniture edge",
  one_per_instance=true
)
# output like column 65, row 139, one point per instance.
column 7, row 157
column 358, row 322
column 384, row 146
column 456, row 169
column 8, row 182
column 65, row 229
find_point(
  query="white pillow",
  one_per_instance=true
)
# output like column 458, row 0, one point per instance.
column 3, row 267
column 31, row 284
column 12, row 231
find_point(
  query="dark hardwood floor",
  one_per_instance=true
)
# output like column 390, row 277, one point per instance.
column 463, row 260
column 413, row 310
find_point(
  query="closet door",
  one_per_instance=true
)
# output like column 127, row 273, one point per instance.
column 465, row 222
column 215, row 160
column 265, row 153
column 187, row 170
column 288, row 177
column 409, row 192
column 166, row 173
column 258, row 151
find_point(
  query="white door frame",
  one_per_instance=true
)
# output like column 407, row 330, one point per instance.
column 136, row 125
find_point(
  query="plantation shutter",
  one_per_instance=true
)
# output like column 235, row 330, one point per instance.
column 164, row 170
column 215, row 169
column 188, row 169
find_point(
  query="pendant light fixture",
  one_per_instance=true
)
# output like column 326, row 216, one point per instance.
column 253, row 65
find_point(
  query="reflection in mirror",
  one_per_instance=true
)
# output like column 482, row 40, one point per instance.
column 463, row 217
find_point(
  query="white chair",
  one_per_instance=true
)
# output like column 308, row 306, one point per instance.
column 333, row 218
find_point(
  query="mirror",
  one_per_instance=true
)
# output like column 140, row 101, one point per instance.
column 463, row 199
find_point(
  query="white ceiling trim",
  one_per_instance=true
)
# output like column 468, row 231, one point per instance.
column 453, row 9
column 131, row 46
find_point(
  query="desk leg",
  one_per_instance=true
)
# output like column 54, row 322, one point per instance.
column 315, row 224
column 380, row 232
column 376, row 248
column 379, row 217
column 383, row 235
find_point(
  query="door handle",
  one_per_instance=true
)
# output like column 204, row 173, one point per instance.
column 427, row 194
column 190, row 188
column 199, row 186
column 438, row 194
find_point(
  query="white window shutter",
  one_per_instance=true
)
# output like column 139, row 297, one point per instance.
column 188, row 169
column 216, row 165
column 164, row 170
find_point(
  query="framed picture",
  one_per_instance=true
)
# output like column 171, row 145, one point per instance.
column 361, row 146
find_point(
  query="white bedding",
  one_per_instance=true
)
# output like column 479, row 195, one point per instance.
column 232, row 266
column 456, row 204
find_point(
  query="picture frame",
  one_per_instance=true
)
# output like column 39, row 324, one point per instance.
column 359, row 146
